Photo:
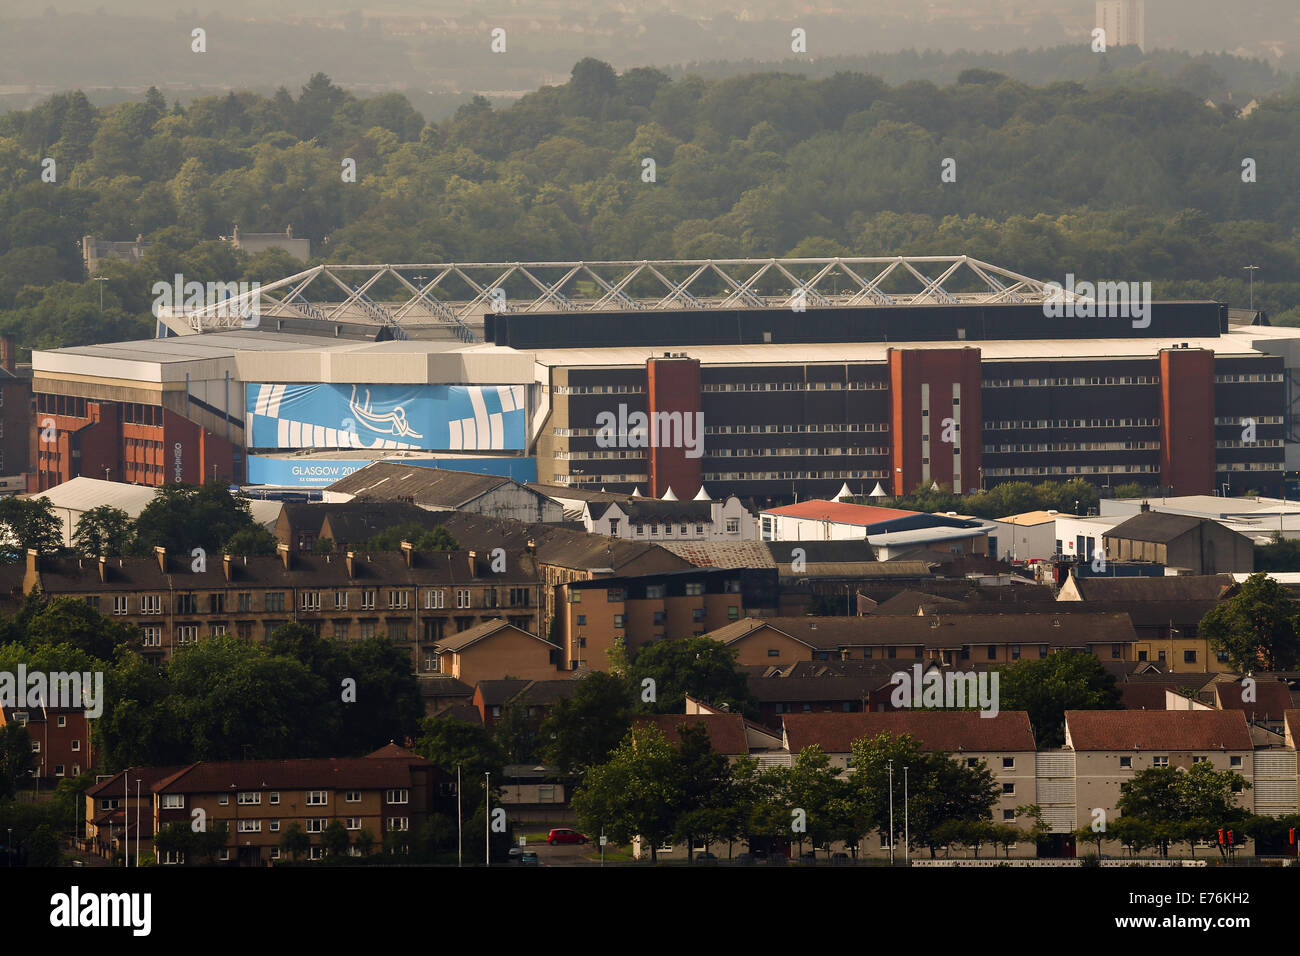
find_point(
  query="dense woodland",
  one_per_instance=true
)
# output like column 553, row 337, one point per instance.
column 1118, row 184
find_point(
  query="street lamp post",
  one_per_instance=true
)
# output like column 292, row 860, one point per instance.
column 101, row 280
column 891, row 812
column 907, row 834
column 1252, row 270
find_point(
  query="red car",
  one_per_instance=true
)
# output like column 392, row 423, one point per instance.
column 563, row 835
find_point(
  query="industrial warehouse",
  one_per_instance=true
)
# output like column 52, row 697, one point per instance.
column 799, row 393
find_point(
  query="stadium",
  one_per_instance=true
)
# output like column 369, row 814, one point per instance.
column 807, row 374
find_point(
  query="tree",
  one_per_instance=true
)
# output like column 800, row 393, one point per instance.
column 581, row 730
column 105, row 531
column 182, row 517
column 516, row 731
column 939, row 788
column 1181, row 804
column 420, row 537
column 335, row 840
column 30, row 524
column 206, row 843
column 1048, row 687
column 1257, row 628
column 74, row 623
column 294, row 841
column 703, row 783
column 15, row 758
column 634, row 793
column 43, row 847
column 816, row 791
column 176, row 838
column 699, row 666
column 251, row 540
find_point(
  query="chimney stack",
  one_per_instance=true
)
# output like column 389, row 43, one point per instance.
column 473, row 562
column 408, row 552
column 350, row 557
column 103, row 569
column 8, row 353
column 284, row 554
column 160, row 553
column 225, row 565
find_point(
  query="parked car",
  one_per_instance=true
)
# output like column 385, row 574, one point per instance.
column 515, row 852
column 565, row 835
column 706, row 857
column 840, row 859
column 746, row 859
column 528, row 858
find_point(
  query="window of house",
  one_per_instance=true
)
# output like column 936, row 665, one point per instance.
column 1126, row 763
column 1189, row 657
column 316, row 824
column 1160, row 761
column 694, row 588
column 397, row 796
column 352, row 796
column 368, row 599
column 316, row 798
column 173, row 801
column 433, row 598
column 310, row 600
column 397, row 824
column 119, row 603
column 399, row 599
column 249, row 798
column 462, row 597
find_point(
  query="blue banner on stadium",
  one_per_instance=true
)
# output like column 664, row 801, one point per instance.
column 428, row 417
column 320, row 472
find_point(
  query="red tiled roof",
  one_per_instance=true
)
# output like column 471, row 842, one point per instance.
column 726, row 731
column 947, row 731
column 1145, row 695
column 331, row 773
column 840, row 512
column 1272, row 699
column 148, row 776
column 1173, row 730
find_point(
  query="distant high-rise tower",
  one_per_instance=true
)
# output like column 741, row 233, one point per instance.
column 1124, row 22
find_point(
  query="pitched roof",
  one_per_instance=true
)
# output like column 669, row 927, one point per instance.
column 831, row 687
column 941, row 630
column 459, row 641
column 1146, row 695
column 1158, row 527
column 1180, row 730
column 148, row 776
column 641, row 510
column 497, row 692
column 947, row 731
column 822, row 552
column 438, row 487
column 332, row 773
column 726, row 731
column 1030, row 518
column 840, row 512
column 547, row 692
column 562, row 547
column 1171, row 587
column 909, row 602
column 73, row 575
column 1272, row 699
column 722, row 554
